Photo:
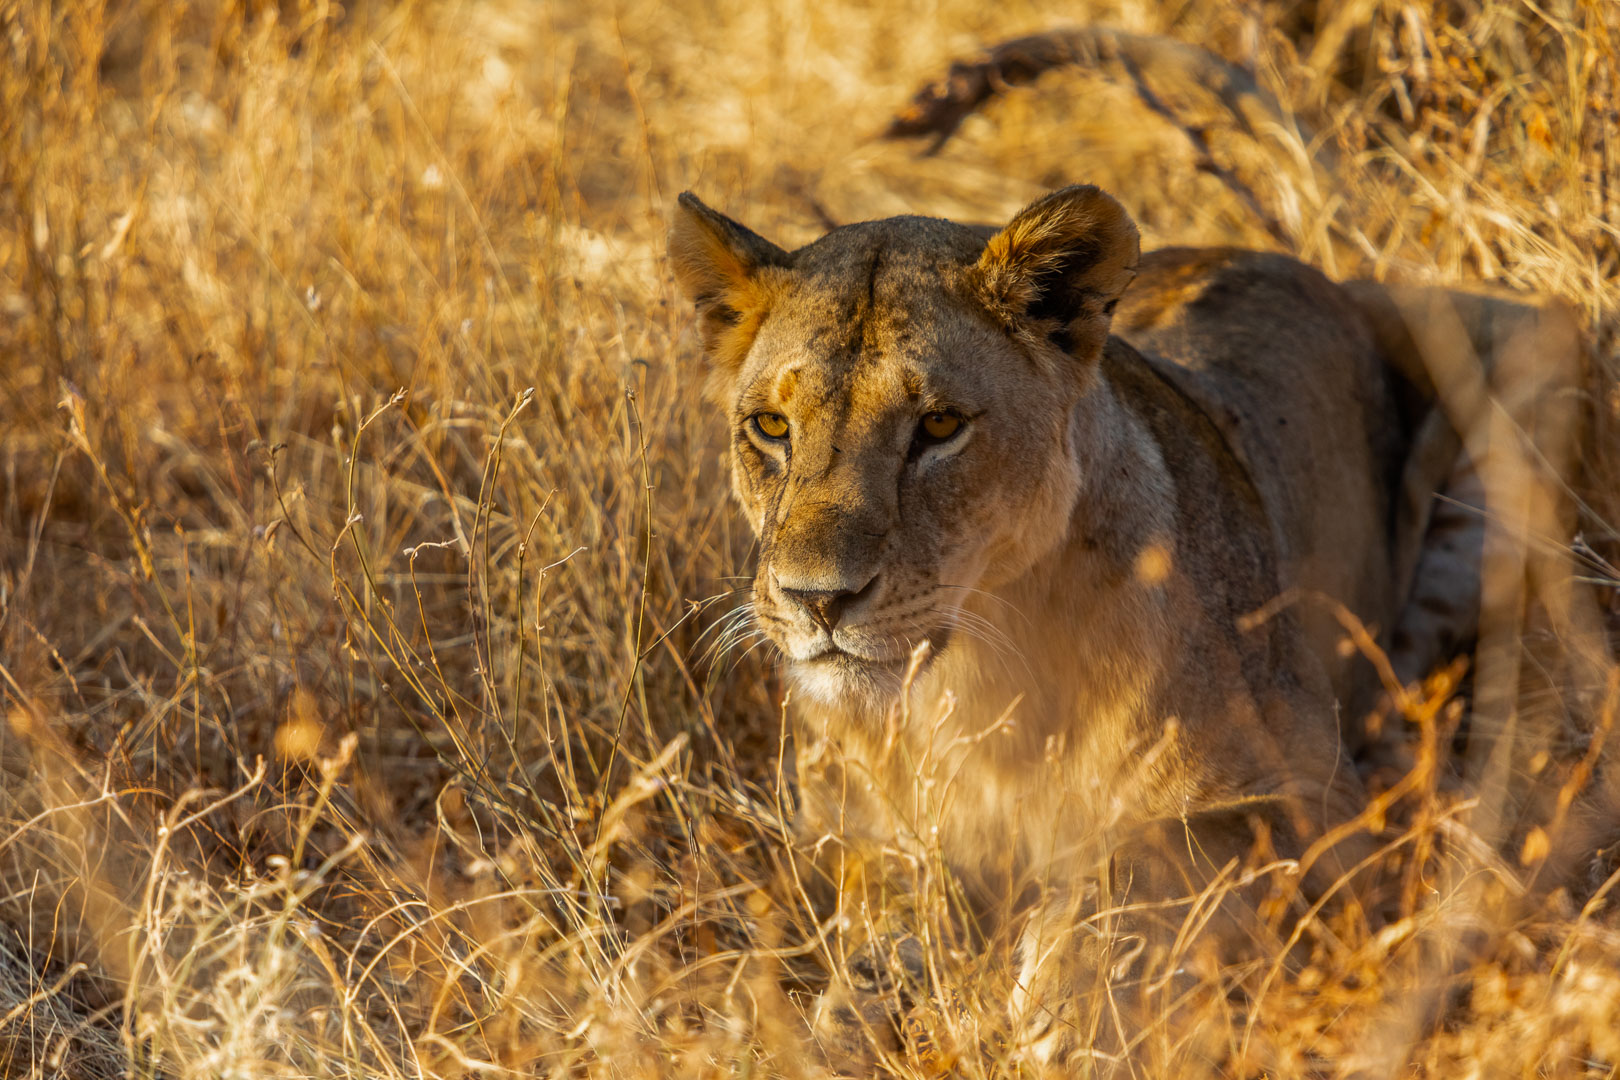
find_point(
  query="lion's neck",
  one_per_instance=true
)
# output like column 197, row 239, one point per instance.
column 1087, row 621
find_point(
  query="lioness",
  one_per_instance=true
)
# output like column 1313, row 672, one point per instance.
column 1080, row 475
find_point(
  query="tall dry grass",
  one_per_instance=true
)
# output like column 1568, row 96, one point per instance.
column 360, row 523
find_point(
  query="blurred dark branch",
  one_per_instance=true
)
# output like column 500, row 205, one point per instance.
column 1149, row 64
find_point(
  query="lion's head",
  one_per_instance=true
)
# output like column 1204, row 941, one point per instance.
column 901, row 396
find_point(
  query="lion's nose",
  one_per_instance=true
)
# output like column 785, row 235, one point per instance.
column 827, row 606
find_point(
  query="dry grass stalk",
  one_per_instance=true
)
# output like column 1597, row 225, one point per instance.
column 360, row 526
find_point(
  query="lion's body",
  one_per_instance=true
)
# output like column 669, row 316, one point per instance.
column 1224, row 468
column 1129, row 553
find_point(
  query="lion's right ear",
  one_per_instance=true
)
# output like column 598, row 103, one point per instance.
column 721, row 267
column 1061, row 265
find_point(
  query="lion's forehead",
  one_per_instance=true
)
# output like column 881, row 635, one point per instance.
column 844, row 323
column 868, row 292
column 930, row 246
column 914, row 349
column 872, row 332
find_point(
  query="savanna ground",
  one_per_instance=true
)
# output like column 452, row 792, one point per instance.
column 360, row 521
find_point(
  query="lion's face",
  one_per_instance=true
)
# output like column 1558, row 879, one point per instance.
column 893, row 449
column 900, row 438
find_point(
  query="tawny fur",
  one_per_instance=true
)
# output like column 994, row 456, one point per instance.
column 1097, row 701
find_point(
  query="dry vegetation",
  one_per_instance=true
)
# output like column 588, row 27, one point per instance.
column 360, row 523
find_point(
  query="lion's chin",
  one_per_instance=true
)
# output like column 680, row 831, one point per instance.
column 839, row 677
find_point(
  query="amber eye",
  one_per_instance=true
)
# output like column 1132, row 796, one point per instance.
column 940, row 426
column 771, row 425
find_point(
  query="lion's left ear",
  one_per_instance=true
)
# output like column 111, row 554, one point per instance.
column 1061, row 264
column 719, row 264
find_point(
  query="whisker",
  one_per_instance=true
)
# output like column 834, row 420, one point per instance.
column 724, row 620
column 764, row 639
column 989, row 629
column 1002, row 601
column 724, row 625
column 733, row 640
column 739, row 626
column 977, row 628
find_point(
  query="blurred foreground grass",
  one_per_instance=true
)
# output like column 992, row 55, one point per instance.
column 360, row 520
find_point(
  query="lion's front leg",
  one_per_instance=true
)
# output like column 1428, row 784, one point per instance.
column 1066, row 961
column 874, row 895
column 883, row 971
column 860, row 1016
column 1110, row 970
column 1094, row 972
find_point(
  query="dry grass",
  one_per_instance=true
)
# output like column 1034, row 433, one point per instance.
column 359, row 519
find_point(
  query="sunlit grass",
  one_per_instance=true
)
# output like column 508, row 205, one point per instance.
column 361, row 521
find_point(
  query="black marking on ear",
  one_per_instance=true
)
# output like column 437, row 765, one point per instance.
column 713, row 307
column 1061, row 296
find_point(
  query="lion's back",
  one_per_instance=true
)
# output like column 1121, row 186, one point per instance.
column 1285, row 366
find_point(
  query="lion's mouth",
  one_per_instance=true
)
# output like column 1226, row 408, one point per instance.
column 855, row 672
column 856, row 656
column 838, row 655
